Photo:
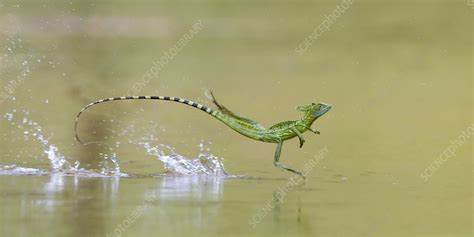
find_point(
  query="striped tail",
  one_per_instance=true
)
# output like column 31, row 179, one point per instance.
column 175, row 99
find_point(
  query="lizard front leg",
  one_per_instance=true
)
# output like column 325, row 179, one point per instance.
column 300, row 136
column 312, row 130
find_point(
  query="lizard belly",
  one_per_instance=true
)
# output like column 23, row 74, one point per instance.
column 274, row 136
column 287, row 135
column 283, row 134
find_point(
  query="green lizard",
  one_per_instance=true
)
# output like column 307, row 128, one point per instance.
column 277, row 133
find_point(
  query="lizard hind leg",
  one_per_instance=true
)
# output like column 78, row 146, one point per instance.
column 277, row 163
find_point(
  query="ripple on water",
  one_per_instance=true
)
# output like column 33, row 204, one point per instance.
column 19, row 171
column 15, row 170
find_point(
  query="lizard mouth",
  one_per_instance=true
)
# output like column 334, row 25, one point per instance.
column 322, row 111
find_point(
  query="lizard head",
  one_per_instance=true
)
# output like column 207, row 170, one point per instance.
column 315, row 110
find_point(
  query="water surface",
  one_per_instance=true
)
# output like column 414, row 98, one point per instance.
column 398, row 139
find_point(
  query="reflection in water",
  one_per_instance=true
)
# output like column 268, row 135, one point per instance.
column 54, row 205
column 294, row 216
column 201, row 195
column 100, row 194
column 59, row 183
column 277, row 207
column 196, row 187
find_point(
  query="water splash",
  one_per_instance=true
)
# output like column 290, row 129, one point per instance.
column 205, row 163
column 33, row 130
column 58, row 162
column 106, row 169
column 174, row 163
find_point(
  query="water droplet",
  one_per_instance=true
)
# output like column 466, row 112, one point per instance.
column 8, row 116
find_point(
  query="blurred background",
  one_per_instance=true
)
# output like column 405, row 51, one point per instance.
column 398, row 74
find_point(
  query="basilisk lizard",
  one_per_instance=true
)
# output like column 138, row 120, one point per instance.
column 277, row 133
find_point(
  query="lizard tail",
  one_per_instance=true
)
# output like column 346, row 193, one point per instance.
column 174, row 99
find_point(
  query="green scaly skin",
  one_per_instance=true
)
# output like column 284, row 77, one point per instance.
column 277, row 133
